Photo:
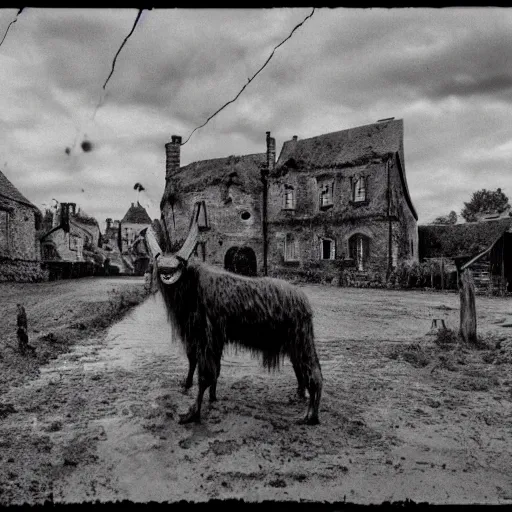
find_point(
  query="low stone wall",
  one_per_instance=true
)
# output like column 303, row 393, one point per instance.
column 23, row 271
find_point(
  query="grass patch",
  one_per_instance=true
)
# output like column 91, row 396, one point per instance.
column 446, row 338
column 413, row 354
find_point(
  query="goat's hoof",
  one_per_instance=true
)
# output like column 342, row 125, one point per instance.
column 185, row 384
column 190, row 417
column 309, row 420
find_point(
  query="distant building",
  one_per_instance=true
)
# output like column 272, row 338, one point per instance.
column 19, row 221
column 134, row 221
column 71, row 247
column 73, row 236
column 488, row 243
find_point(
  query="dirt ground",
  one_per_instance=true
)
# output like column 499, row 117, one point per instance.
column 402, row 417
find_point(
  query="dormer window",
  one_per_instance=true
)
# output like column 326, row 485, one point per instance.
column 289, row 198
column 326, row 194
column 359, row 190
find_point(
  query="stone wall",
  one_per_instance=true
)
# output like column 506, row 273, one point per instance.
column 236, row 223
column 22, row 242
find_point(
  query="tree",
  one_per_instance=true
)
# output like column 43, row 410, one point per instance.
column 451, row 218
column 484, row 201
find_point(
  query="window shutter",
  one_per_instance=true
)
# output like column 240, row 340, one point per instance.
column 333, row 250
column 296, row 247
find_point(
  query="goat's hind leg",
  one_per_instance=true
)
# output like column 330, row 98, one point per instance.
column 213, row 387
column 301, row 387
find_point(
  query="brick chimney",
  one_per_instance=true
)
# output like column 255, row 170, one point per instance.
column 172, row 151
column 64, row 216
column 271, row 152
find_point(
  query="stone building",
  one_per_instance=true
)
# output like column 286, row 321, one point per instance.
column 19, row 221
column 134, row 221
column 340, row 201
column 230, row 235
column 332, row 203
column 74, row 236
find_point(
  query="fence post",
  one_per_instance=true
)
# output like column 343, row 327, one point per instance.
column 467, row 306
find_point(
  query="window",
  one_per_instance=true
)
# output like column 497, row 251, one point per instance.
column 326, row 193
column 291, row 248
column 200, row 251
column 359, row 250
column 327, row 249
column 359, row 190
column 289, row 198
column 4, row 232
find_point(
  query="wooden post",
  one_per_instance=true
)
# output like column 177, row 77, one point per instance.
column 22, row 331
column 502, row 283
column 467, row 306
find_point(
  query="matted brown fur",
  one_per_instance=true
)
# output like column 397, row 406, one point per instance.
column 209, row 307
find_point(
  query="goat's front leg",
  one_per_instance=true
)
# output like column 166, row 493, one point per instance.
column 206, row 377
column 192, row 362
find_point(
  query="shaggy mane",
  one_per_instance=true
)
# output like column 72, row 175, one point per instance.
column 210, row 306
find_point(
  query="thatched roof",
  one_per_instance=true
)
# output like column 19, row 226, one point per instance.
column 206, row 173
column 344, row 148
column 460, row 240
column 136, row 214
column 83, row 218
column 9, row 191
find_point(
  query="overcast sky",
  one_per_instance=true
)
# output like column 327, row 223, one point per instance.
column 446, row 72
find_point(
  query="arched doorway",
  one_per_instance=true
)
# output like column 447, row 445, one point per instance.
column 241, row 260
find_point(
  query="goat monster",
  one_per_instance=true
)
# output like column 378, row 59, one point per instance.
column 208, row 308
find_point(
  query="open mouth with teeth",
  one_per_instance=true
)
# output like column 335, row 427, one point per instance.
column 170, row 278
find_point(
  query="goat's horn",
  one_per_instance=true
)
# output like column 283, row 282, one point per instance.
column 190, row 243
column 152, row 243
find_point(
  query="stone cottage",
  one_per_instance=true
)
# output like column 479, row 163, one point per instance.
column 332, row 203
column 19, row 221
column 340, row 201
column 74, row 236
column 230, row 233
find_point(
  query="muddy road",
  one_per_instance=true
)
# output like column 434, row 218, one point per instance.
column 100, row 422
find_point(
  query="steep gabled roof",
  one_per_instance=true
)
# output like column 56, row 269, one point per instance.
column 8, row 190
column 346, row 147
column 460, row 240
column 136, row 214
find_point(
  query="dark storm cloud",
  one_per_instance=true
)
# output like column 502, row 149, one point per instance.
column 445, row 72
